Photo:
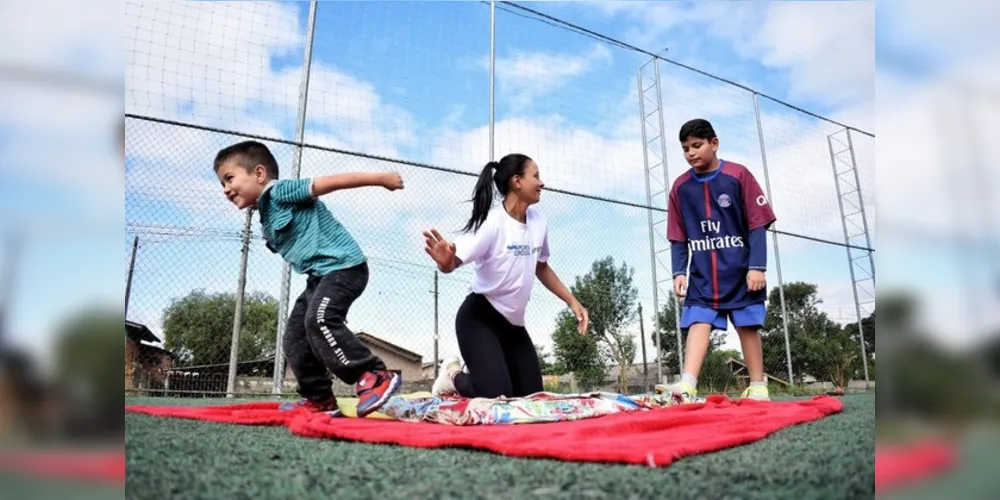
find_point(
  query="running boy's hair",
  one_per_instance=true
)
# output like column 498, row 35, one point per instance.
column 482, row 196
column 698, row 128
column 252, row 153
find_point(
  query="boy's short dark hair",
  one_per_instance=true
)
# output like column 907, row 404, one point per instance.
column 252, row 153
column 699, row 129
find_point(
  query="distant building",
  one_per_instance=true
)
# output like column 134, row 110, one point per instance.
column 27, row 402
column 405, row 361
column 427, row 370
column 146, row 366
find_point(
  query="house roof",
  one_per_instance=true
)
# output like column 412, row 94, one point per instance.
column 372, row 341
column 152, row 349
column 139, row 332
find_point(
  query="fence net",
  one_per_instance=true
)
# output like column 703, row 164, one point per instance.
column 381, row 97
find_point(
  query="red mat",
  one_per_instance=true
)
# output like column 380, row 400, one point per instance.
column 265, row 413
column 655, row 437
column 100, row 466
column 900, row 465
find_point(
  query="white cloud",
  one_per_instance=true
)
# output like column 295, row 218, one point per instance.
column 827, row 47
column 525, row 76
column 348, row 113
column 204, row 63
column 61, row 133
column 214, row 63
column 569, row 157
column 941, row 36
column 66, row 141
column 59, row 36
column 209, row 60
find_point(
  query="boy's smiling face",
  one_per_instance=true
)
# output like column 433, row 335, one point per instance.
column 700, row 153
column 242, row 188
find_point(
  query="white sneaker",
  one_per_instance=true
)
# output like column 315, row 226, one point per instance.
column 444, row 385
column 681, row 388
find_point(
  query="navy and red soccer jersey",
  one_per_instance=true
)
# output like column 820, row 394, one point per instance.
column 722, row 218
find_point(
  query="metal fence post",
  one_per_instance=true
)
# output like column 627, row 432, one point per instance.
column 241, row 285
column 286, row 276
column 871, row 258
column 652, row 244
column 861, row 199
column 850, row 258
column 666, row 185
column 774, row 239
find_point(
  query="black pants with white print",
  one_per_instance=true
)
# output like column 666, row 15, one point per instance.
column 317, row 341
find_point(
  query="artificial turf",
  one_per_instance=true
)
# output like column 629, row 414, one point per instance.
column 172, row 458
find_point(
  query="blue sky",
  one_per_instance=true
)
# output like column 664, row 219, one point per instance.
column 409, row 80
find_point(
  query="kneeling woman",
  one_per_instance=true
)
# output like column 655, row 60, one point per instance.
column 509, row 247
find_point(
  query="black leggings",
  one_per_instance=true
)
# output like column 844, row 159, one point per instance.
column 500, row 357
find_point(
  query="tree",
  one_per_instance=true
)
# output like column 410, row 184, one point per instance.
column 199, row 326
column 575, row 353
column 820, row 347
column 609, row 296
column 87, row 347
column 922, row 377
column 666, row 320
column 547, row 367
column 868, row 324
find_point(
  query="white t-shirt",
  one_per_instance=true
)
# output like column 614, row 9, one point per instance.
column 505, row 253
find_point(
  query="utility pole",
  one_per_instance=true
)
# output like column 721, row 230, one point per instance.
column 241, row 285
column 131, row 270
column 436, row 333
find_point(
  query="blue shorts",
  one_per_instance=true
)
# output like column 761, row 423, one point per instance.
column 749, row 316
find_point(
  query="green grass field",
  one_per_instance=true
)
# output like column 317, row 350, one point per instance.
column 171, row 458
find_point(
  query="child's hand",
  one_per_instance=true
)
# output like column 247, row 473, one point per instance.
column 755, row 280
column 440, row 250
column 680, row 286
column 392, row 181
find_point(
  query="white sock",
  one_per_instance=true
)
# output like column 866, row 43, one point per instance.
column 758, row 384
column 689, row 379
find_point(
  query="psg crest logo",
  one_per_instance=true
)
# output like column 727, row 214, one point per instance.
column 725, row 201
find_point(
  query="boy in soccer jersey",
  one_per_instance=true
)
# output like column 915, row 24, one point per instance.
column 719, row 215
column 302, row 230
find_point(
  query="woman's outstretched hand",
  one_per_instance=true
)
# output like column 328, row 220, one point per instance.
column 440, row 250
column 582, row 316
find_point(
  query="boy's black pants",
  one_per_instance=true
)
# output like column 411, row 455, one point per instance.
column 317, row 341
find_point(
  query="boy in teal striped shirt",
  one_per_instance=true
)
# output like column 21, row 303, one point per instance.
column 300, row 228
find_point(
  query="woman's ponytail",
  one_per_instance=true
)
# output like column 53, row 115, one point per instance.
column 482, row 198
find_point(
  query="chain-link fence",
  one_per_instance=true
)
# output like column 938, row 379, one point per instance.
column 341, row 87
